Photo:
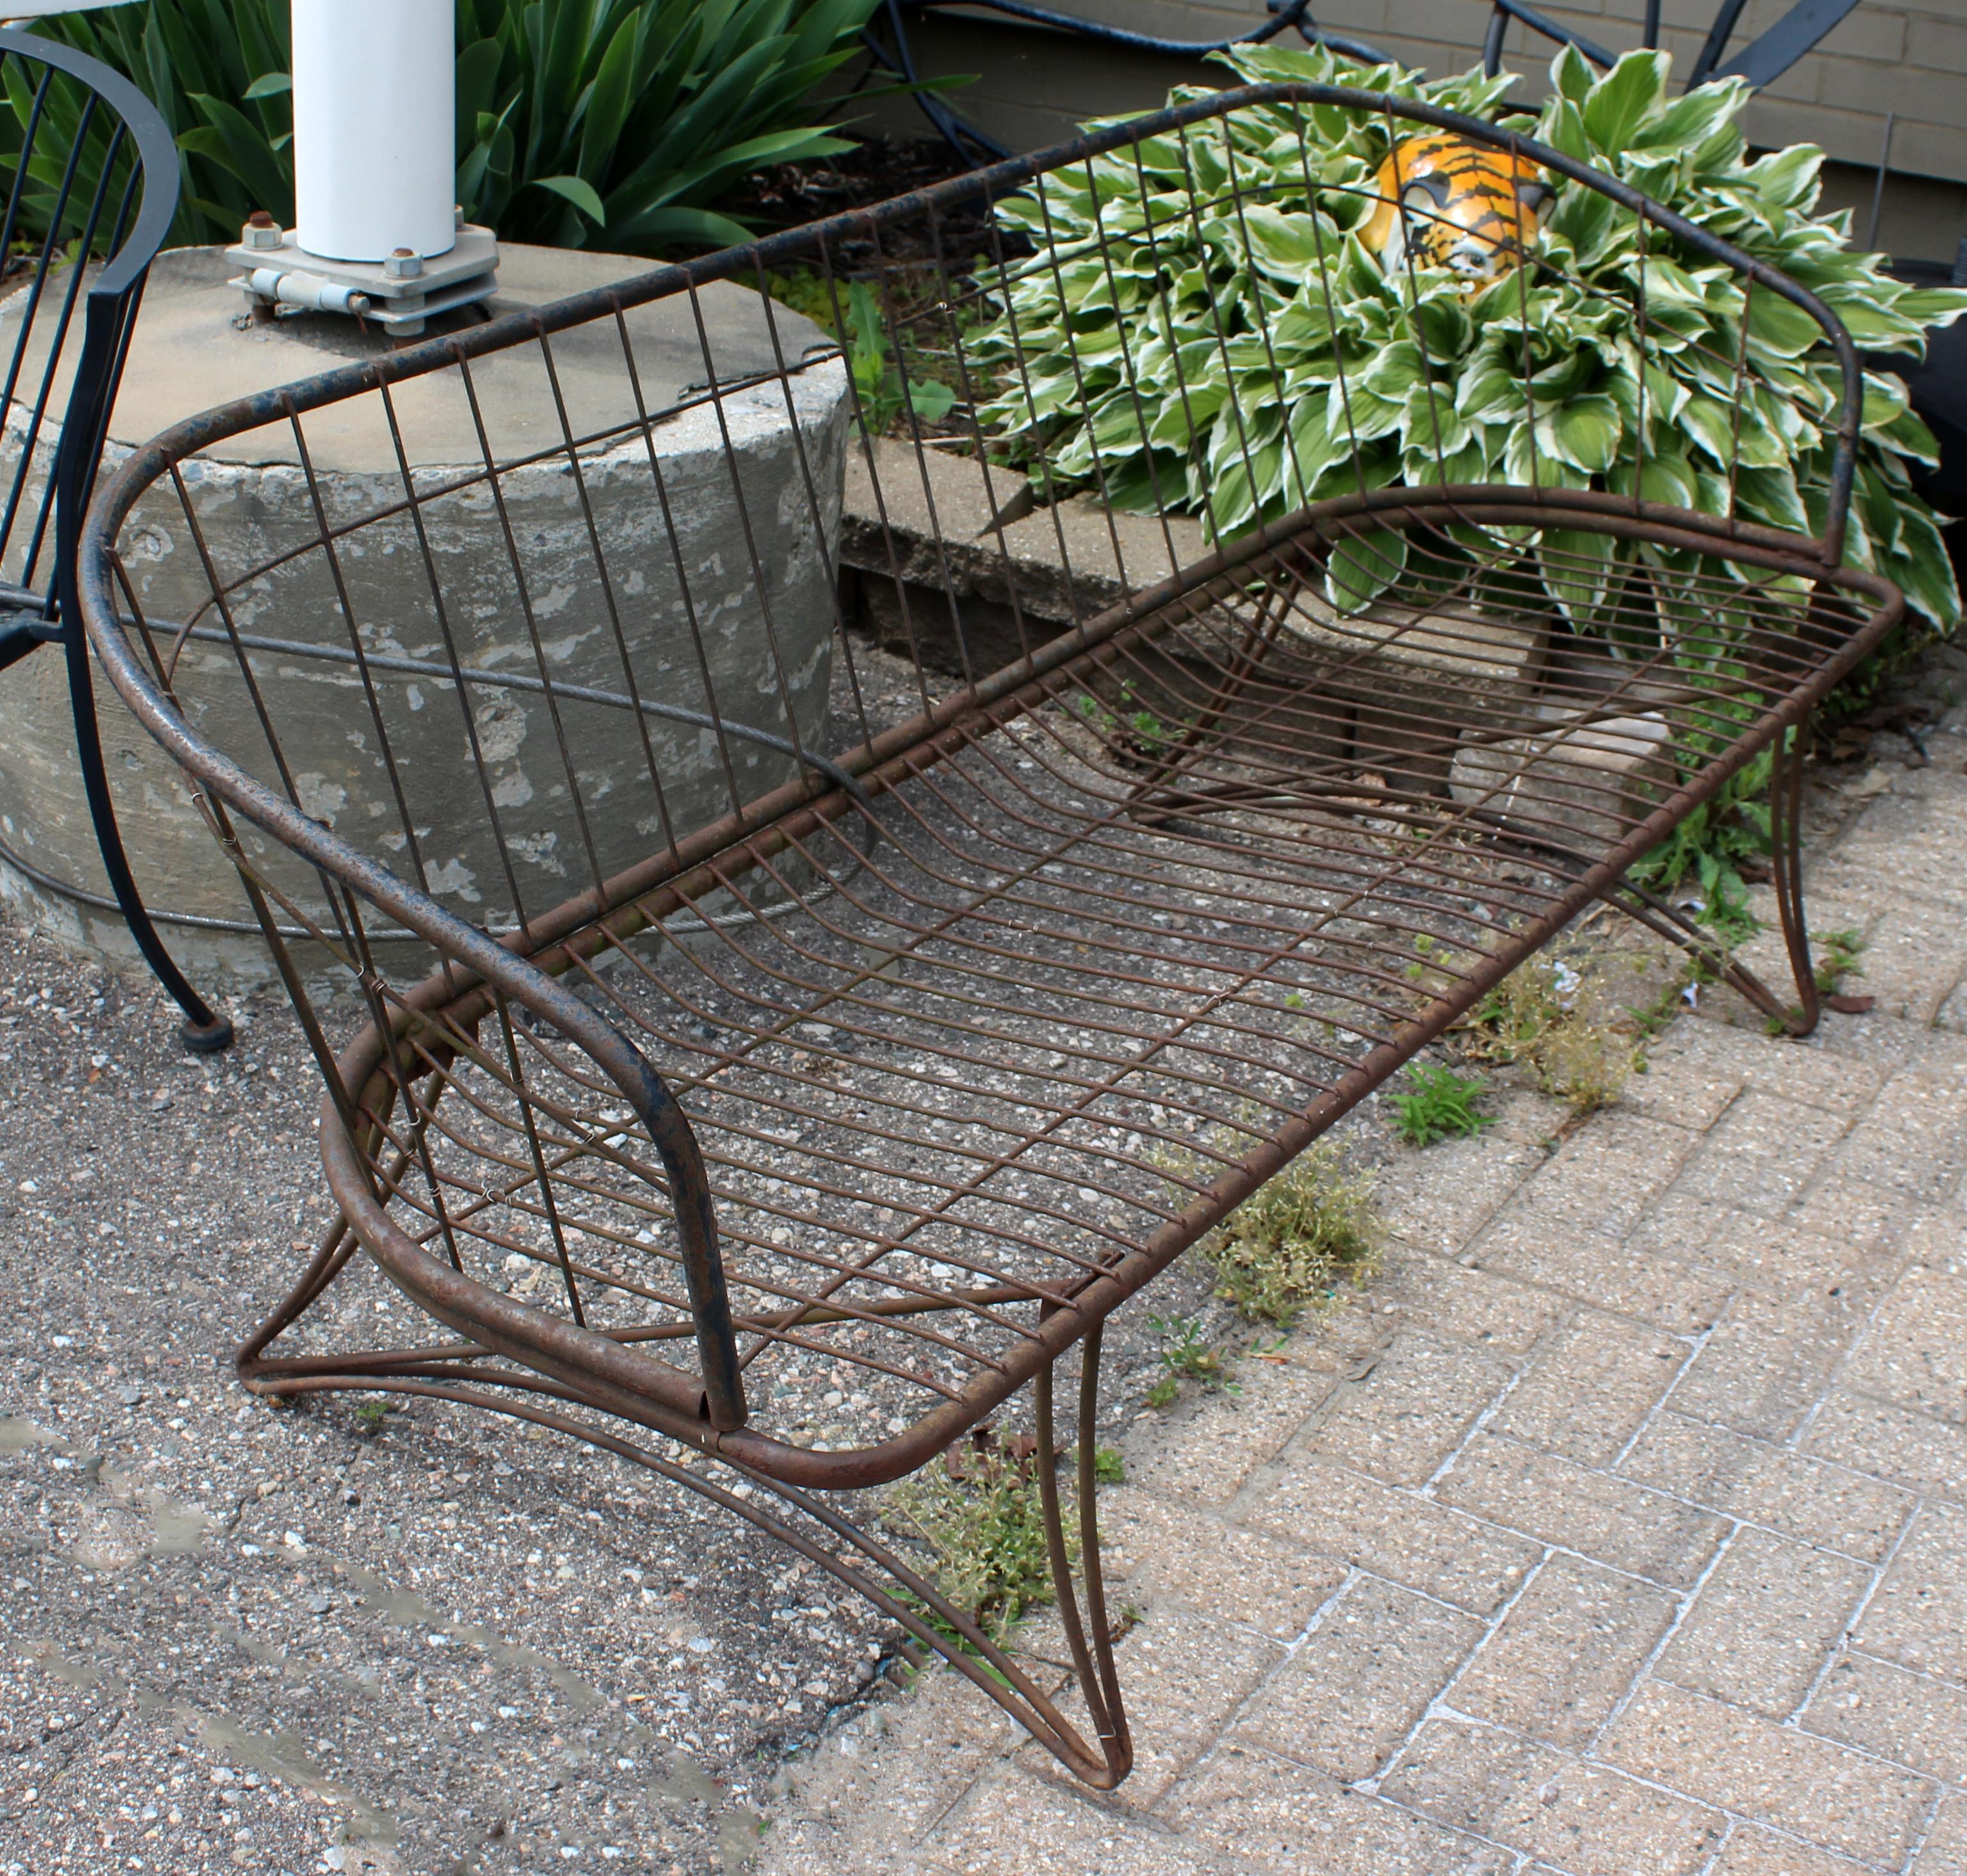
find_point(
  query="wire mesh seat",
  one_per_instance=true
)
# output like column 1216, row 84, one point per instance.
column 783, row 879
column 88, row 167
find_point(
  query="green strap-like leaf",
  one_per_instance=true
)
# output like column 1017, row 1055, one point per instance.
column 607, row 104
column 250, row 156
column 580, row 193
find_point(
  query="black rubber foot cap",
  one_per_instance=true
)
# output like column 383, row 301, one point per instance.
column 206, row 1038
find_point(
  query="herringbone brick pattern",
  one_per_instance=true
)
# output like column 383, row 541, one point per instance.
column 1620, row 1530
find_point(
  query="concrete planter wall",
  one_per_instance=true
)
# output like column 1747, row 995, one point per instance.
column 253, row 505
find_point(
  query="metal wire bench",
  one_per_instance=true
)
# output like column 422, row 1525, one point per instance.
column 702, row 1005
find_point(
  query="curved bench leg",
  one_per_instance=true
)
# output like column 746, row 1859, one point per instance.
column 1786, row 865
column 1099, row 1679
column 854, row 1559
column 1796, row 1019
column 464, row 1372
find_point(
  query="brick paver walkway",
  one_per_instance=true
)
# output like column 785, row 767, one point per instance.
column 1620, row 1531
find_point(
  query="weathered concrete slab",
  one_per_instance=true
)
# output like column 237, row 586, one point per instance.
column 696, row 565
column 1583, row 782
column 947, row 554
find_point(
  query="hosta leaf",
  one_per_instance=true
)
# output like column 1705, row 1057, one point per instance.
column 1287, row 245
column 1571, row 75
column 1879, row 326
column 1363, row 566
column 1712, row 425
column 1771, row 495
column 1777, row 326
column 1621, row 104
column 1885, row 398
column 1432, row 425
column 1579, row 571
column 1395, row 372
column 1932, row 306
column 1664, row 476
column 1922, row 567
column 1690, row 119
column 1584, row 431
column 1787, row 178
column 1909, row 435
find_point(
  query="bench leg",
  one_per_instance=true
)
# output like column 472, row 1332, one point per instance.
column 472, row 1375
column 1099, row 1679
column 853, row 1557
column 1796, row 1019
column 1786, row 865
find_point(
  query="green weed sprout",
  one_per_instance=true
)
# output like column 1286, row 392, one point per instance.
column 1440, row 1106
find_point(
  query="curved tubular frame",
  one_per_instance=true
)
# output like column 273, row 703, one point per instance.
column 913, row 1603
column 1026, row 1291
column 1762, row 62
column 963, row 137
column 109, row 313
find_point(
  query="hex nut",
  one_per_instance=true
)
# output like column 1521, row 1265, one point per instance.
column 403, row 265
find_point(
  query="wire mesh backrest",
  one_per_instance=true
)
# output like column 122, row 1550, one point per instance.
column 87, row 176
column 573, row 606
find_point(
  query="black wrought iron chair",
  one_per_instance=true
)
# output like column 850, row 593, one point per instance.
column 886, row 40
column 89, row 168
column 1761, row 61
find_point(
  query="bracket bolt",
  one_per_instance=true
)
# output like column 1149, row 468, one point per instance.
column 404, row 264
column 261, row 230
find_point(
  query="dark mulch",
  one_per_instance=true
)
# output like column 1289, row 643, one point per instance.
column 876, row 169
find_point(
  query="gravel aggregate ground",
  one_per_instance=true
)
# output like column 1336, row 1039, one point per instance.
column 305, row 1639
column 236, row 1635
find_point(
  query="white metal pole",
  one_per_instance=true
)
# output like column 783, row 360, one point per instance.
column 374, row 112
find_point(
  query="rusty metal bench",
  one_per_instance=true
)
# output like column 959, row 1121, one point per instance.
column 706, row 997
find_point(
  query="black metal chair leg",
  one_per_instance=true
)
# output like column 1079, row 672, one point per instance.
column 125, row 214
column 204, row 1031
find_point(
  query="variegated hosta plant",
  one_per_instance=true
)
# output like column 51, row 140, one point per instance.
column 1245, row 359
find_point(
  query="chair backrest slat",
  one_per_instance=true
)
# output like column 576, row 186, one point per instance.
column 96, row 213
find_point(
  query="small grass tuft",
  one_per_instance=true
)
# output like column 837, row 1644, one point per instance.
column 1440, row 1106
column 1551, row 1015
column 371, row 1414
column 1289, row 1246
column 1109, row 1467
column 1185, row 1356
column 980, row 1509
column 1837, row 955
